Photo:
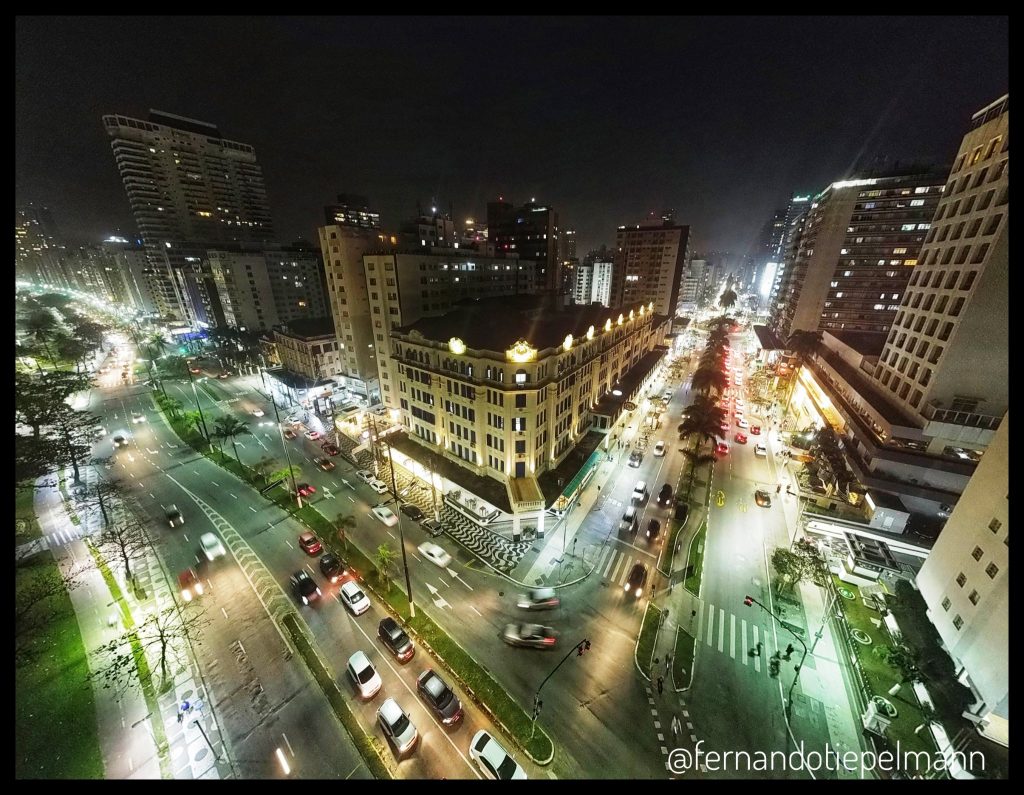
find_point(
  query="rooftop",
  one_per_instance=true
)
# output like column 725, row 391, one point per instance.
column 768, row 340
column 307, row 328
column 866, row 343
column 496, row 324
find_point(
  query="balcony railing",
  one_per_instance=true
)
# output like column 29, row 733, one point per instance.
column 966, row 418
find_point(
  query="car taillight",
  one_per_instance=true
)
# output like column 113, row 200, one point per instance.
column 186, row 595
column 199, row 588
column 549, row 641
column 639, row 591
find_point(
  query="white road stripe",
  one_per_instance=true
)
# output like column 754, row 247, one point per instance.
column 732, row 635
column 711, row 624
column 757, row 657
column 618, row 562
column 721, row 628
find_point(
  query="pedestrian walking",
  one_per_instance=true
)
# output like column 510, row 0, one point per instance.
column 661, row 685
column 677, row 728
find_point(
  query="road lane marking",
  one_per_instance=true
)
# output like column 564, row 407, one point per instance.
column 757, row 657
column 721, row 628
column 700, row 621
column 618, row 562
column 476, row 611
column 711, row 623
column 732, row 635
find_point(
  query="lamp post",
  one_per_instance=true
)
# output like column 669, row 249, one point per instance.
column 750, row 600
column 401, row 533
column 195, row 395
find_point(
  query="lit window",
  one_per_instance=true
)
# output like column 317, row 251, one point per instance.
column 899, row 251
column 907, row 228
column 917, row 202
column 839, row 295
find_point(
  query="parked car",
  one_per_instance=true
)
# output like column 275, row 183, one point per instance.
column 433, row 527
column 212, row 546
column 354, row 599
column 309, row 543
column 532, row 635
column 538, row 599
column 174, row 517
column 435, row 554
column 378, row 486
column 312, row 435
column 493, row 760
column 325, row 464
column 412, row 511
column 386, row 515
column 763, row 498
column 636, row 581
column 761, row 450
column 682, row 511
column 439, row 697
column 363, row 675
column 397, row 727
column 190, row 584
column 334, row 568
column 395, row 638
column 304, row 587
column 365, row 475
column 659, row 449
column 665, row 496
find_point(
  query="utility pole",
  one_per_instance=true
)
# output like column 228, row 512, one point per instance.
column 195, row 394
column 401, row 533
column 750, row 600
column 287, row 457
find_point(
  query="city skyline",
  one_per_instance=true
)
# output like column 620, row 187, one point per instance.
column 573, row 134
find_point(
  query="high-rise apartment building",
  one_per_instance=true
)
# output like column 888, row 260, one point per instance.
column 130, row 275
column 262, row 289
column 649, row 260
column 859, row 242
column 532, row 232
column 188, row 188
column 946, row 356
column 593, row 283
column 37, row 247
column 567, row 245
column 792, row 229
column 966, row 584
column 352, row 210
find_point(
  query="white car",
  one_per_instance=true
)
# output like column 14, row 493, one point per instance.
column 354, row 598
column 659, row 449
column 386, row 515
column 363, row 675
column 257, row 412
column 492, row 759
column 137, row 417
column 434, row 554
column 397, row 727
column 365, row 475
column 99, row 431
column 378, row 486
column 742, row 423
column 212, row 546
column 761, row 450
column 120, row 441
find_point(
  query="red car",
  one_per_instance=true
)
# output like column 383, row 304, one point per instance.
column 755, row 429
column 722, row 448
column 310, row 543
column 190, row 585
column 330, row 449
column 305, row 489
column 741, row 438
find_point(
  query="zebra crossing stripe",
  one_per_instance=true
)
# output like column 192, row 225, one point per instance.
column 700, row 621
column 744, row 636
column 757, row 657
column 721, row 628
column 605, row 561
column 711, row 623
column 615, row 573
column 732, row 635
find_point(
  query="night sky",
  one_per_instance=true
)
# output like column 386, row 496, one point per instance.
column 605, row 119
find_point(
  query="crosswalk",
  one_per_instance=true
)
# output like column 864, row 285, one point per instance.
column 734, row 636
column 614, row 564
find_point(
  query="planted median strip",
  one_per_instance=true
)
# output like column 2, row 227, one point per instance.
column 647, row 639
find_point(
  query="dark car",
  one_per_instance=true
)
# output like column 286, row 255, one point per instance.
column 763, row 498
column 394, row 637
column 653, row 529
column 325, row 464
column 636, row 581
column 310, row 543
column 330, row 449
column 334, row 568
column 636, row 458
column 439, row 697
column 304, row 587
column 433, row 527
column 174, row 517
column 412, row 511
column 665, row 496
column 682, row 511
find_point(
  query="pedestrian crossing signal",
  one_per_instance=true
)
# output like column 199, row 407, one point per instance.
column 748, row 600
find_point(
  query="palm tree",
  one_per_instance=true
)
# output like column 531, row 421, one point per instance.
column 291, row 472
column 703, row 419
column 193, row 419
column 342, row 523
column 707, row 379
column 696, row 459
column 263, row 466
column 228, row 427
column 174, row 406
column 727, row 299
column 385, row 560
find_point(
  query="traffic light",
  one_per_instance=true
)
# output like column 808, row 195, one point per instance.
column 584, row 645
column 748, row 600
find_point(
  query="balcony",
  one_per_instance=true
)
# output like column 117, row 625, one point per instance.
column 965, row 418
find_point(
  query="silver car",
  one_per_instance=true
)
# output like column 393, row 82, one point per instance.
column 492, row 759
column 363, row 675
column 397, row 727
column 212, row 546
column 532, row 635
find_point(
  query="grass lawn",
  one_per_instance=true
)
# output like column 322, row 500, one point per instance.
column 695, row 560
column 648, row 638
column 682, row 658
column 881, row 677
column 54, row 709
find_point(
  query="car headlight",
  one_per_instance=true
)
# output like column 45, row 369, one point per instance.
column 305, row 601
column 199, row 588
column 626, row 587
column 638, row 592
column 318, row 592
column 186, row 595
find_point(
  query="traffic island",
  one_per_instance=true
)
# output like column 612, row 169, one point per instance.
column 643, row 655
column 695, row 560
column 682, row 659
